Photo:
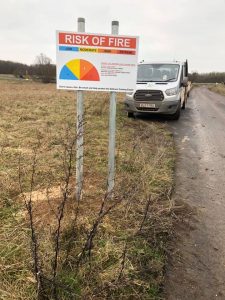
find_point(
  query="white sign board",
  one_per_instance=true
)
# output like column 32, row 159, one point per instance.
column 96, row 62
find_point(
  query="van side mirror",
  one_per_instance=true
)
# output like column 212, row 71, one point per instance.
column 184, row 82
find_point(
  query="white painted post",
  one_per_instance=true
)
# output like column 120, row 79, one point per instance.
column 80, row 129
column 112, row 129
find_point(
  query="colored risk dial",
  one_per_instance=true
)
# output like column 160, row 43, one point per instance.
column 79, row 69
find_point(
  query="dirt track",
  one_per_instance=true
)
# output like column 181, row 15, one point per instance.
column 197, row 271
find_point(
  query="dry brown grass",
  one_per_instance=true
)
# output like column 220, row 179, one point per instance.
column 218, row 88
column 125, row 263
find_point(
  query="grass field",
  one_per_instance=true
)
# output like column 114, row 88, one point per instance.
column 219, row 88
column 125, row 256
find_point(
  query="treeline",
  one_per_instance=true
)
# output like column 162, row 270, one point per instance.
column 212, row 77
column 10, row 67
column 42, row 69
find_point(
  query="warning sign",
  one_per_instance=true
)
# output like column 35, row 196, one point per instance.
column 96, row 62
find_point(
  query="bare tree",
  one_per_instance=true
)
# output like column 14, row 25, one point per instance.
column 42, row 59
column 44, row 68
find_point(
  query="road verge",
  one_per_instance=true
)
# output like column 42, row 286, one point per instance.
column 105, row 248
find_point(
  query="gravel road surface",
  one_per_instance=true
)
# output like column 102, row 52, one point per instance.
column 197, row 270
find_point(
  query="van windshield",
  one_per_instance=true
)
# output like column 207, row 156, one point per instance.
column 157, row 72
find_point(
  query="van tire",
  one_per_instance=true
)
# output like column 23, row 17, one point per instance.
column 130, row 115
column 176, row 116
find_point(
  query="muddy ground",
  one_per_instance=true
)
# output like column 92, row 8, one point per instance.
column 196, row 269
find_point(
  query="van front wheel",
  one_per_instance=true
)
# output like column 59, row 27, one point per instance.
column 130, row 115
column 176, row 116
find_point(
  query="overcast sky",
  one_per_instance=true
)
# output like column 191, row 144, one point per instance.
column 168, row 29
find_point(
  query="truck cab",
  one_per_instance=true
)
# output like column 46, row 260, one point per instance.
column 162, row 88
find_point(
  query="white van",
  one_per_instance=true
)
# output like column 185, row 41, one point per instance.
column 162, row 88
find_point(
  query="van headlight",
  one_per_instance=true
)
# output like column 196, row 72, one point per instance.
column 172, row 92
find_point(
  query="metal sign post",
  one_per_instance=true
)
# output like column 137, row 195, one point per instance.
column 80, row 129
column 112, row 129
column 96, row 62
